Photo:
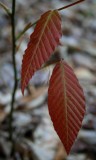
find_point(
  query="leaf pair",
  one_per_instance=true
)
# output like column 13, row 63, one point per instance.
column 66, row 101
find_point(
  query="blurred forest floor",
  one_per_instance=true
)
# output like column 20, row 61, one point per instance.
column 34, row 136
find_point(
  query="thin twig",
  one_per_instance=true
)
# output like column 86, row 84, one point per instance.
column 15, row 73
column 5, row 8
column 32, row 24
column 72, row 4
column 28, row 26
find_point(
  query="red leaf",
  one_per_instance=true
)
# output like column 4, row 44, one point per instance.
column 66, row 104
column 42, row 43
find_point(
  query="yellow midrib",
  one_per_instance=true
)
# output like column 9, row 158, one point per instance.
column 64, row 84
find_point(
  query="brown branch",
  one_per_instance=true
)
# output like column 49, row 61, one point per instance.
column 15, row 75
column 72, row 4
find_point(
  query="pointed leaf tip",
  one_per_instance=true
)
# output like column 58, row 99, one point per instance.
column 66, row 104
column 43, row 42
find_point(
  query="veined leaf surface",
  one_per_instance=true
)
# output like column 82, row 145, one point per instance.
column 42, row 43
column 66, row 104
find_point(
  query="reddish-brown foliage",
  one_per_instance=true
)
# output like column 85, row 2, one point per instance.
column 66, row 100
column 66, row 104
column 42, row 43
